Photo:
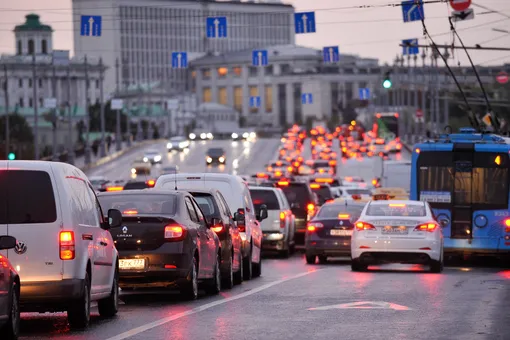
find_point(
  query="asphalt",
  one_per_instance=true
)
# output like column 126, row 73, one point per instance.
column 293, row 300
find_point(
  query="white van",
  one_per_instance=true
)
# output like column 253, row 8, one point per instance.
column 235, row 191
column 64, row 254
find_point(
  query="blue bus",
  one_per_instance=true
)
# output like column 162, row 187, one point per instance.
column 465, row 178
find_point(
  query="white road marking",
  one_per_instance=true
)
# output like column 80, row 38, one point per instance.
column 364, row 305
column 157, row 323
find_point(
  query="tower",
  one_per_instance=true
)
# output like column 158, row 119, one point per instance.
column 32, row 36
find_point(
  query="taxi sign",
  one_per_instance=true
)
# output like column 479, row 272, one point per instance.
column 381, row 197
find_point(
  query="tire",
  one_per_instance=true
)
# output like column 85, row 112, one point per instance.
column 109, row 306
column 213, row 286
column 247, row 267
column 79, row 314
column 227, row 276
column 239, row 275
column 190, row 288
column 437, row 266
column 356, row 266
column 257, row 268
column 10, row 330
column 323, row 259
column 310, row 259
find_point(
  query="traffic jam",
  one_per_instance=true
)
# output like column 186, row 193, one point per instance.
column 86, row 246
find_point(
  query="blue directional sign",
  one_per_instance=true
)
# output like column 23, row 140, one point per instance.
column 304, row 22
column 364, row 93
column 179, row 59
column 410, row 47
column 412, row 10
column 306, row 98
column 255, row 101
column 91, row 25
column 259, row 57
column 331, row 54
column 216, row 27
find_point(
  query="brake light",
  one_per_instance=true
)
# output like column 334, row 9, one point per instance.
column 296, row 164
column 217, row 228
column 397, row 205
column 173, row 232
column 374, row 182
column 431, row 226
column 278, row 173
column 130, row 212
column 114, row 188
column 283, row 220
column 324, row 180
column 310, row 207
column 151, row 183
column 507, row 224
column 282, row 215
column 364, row 226
column 289, row 169
column 283, row 183
column 344, row 216
column 315, row 186
column 332, row 163
column 67, row 245
column 313, row 226
column 262, row 175
column 356, row 197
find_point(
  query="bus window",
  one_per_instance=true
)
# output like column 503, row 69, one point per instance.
column 495, row 193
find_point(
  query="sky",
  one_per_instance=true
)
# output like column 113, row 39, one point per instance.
column 374, row 31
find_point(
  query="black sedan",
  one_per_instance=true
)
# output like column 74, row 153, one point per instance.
column 329, row 232
column 164, row 241
column 215, row 156
column 9, row 293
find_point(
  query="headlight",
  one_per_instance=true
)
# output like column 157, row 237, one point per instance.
column 235, row 135
column 209, row 159
column 133, row 171
column 169, row 146
column 210, row 135
column 157, row 158
column 222, row 159
column 246, row 135
column 253, row 135
column 203, row 136
column 192, row 136
column 145, row 159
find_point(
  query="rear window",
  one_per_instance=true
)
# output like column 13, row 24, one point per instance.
column 267, row 197
column 396, row 209
column 298, row 193
column 26, row 197
column 139, row 204
column 207, row 204
column 317, row 165
column 324, row 192
column 332, row 211
column 135, row 186
column 358, row 192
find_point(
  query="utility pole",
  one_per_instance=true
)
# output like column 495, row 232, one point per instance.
column 7, row 128
column 70, row 152
column 102, row 146
column 431, row 95
column 409, row 117
column 118, row 132
column 36, row 113
column 446, row 103
column 87, row 112
column 415, row 107
column 436, row 93
column 423, row 122
column 54, row 116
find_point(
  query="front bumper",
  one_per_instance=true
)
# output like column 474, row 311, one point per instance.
column 273, row 241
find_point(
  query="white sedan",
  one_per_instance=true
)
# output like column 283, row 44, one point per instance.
column 397, row 232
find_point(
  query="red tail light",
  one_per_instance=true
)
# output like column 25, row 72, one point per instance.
column 313, row 226
column 364, row 226
column 151, row 183
column 431, row 226
column 67, row 245
column 114, row 188
column 310, row 207
column 283, row 219
column 283, row 183
column 217, row 228
column 174, row 232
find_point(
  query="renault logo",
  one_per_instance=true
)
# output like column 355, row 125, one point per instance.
column 341, row 223
column 124, row 229
column 20, row 248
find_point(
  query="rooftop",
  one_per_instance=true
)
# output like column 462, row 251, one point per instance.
column 33, row 24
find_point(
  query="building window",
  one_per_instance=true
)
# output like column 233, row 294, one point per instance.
column 285, row 69
column 97, row 83
column 31, row 49
column 222, row 95
column 206, row 73
column 238, row 98
column 253, row 71
column 20, row 48
column 254, row 92
column 40, row 82
column 21, row 103
column 268, row 70
column 44, row 47
column 206, row 95
column 269, row 98
column 298, row 114
column 20, row 82
column 238, row 71
column 30, row 83
column 282, row 104
column 30, row 102
column 222, row 72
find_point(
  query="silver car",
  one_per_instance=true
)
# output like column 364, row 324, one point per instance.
column 153, row 157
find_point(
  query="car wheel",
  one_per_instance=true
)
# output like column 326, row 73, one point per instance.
column 323, row 259
column 109, row 306
column 310, row 259
column 213, row 285
column 247, row 264
column 357, row 266
column 437, row 266
column 257, row 268
column 238, row 276
column 190, row 289
column 228, row 275
column 11, row 327
column 79, row 314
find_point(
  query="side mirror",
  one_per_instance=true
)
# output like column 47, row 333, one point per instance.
column 7, row 242
column 114, row 218
column 239, row 217
column 262, row 215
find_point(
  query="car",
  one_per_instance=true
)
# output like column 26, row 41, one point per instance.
column 64, row 249
column 98, row 182
column 218, row 214
column 215, row 156
column 378, row 147
column 178, row 143
column 323, row 191
column 137, row 185
column 171, row 169
column 140, row 167
column 235, row 191
column 352, row 192
column 397, row 231
column 164, row 241
column 10, row 288
column 152, row 156
column 329, row 232
column 279, row 227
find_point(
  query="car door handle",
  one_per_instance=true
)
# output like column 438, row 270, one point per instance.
column 87, row 237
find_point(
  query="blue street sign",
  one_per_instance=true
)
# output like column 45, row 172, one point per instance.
column 91, row 25
column 216, row 27
column 304, row 22
column 412, row 10
column 306, row 98
column 331, row 54
column 410, row 47
column 259, row 57
column 255, row 101
column 179, row 59
column 364, row 93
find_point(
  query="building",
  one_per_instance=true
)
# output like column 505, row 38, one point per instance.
column 32, row 77
column 141, row 35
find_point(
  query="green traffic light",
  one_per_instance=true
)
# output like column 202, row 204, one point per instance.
column 386, row 84
column 11, row 156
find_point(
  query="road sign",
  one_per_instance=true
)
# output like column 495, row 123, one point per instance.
column 304, row 22
column 502, row 77
column 468, row 14
column 116, row 104
column 410, row 47
column 179, row 59
column 460, row 5
column 306, row 98
column 412, row 10
column 60, row 58
column 364, row 93
column 50, row 103
column 91, row 25
column 331, row 54
column 259, row 57
column 255, row 101
column 364, row 305
column 216, row 27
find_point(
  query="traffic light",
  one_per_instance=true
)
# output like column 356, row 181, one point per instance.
column 387, row 81
column 11, row 156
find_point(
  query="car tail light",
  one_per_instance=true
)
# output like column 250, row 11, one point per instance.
column 174, row 232
column 313, row 226
column 130, row 212
column 507, row 225
column 283, row 219
column 431, row 226
column 278, row 173
column 289, row 169
column 283, row 183
column 364, row 226
column 218, row 228
column 151, row 183
column 67, row 245
column 315, row 186
column 114, row 188
column 344, row 216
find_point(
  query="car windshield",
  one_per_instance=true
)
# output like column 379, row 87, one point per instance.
column 267, row 197
column 332, row 211
column 397, row 209
column 358, row 192
column 151, row 204
column 207, row 204
column 152, row 153
column 215, row 152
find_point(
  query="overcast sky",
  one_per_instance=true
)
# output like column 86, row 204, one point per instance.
column 369, row 32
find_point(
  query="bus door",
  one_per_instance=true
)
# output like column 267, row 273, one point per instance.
column 462, row 209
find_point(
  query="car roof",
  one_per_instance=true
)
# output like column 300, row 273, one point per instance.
column 408, row 202
column 144, row 192
column 251, row 187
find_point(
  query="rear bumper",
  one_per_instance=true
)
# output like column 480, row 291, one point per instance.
column 377, row 257
column 328, row 247
column 49, row 295
column 274, row 241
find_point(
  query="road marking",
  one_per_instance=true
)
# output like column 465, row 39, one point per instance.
column 146, row 327
column 364, row 305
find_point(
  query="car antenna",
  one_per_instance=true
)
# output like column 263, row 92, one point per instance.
column 175, row 181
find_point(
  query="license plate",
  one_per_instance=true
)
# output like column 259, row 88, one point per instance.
column 341, row 232
column 395, row 231
column 132, row 264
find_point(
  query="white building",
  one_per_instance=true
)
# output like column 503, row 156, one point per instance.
column 143, row 34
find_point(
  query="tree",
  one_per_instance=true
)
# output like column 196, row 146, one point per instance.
column 20, row 134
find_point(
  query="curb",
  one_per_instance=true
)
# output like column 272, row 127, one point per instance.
column 117, row 154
